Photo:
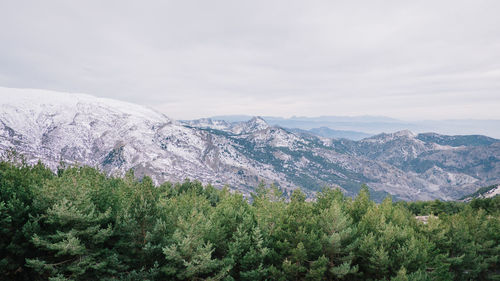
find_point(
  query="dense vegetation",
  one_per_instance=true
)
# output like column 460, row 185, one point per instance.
column 80, row 224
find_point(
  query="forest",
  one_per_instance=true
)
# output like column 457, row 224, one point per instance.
column 80, row 224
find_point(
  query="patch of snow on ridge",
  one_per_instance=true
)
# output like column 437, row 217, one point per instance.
column 437, row 146
column 387, row 137
column 404, row 133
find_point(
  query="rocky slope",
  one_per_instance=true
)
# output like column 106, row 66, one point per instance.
column 117, row 136
column 484, row 192
column 452, row 164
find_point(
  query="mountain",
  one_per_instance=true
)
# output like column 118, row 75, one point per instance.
column 117, row 136
column 452, row 164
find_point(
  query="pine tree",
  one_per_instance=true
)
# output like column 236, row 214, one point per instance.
column 18, row 187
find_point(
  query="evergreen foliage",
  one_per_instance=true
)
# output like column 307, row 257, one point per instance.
column 80, row 224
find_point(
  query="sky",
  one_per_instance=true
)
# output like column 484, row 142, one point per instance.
column 411, row 60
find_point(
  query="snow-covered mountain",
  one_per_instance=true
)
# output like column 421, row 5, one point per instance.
column 253, row 125
column 117, row 136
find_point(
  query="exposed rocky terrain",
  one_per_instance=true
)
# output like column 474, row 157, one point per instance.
column 484, row 192
column 117, row 136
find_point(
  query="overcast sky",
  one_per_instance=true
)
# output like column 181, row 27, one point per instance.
column 189, row 59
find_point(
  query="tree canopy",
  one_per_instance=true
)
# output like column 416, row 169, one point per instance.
column 80, row 224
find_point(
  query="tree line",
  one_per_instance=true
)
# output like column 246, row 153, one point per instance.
column 80, row 224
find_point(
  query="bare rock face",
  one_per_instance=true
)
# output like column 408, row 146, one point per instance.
column 116, row 136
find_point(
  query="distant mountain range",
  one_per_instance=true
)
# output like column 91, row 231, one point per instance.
column 326, row 132
column 116, row 136
column 358, row 126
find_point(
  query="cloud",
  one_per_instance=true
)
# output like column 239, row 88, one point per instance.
column 190, row 59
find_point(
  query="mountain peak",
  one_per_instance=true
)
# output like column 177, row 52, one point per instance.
column 258, row 120
column 253, row 125
column 257, row 123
